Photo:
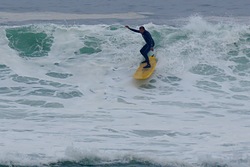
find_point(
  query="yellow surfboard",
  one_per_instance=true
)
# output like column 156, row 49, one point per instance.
column 144, row 73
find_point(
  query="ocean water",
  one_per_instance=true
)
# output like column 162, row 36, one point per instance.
column 68, row 98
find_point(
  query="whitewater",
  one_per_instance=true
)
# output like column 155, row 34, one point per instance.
column 68, row 98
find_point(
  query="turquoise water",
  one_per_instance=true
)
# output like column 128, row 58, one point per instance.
column 68, row 98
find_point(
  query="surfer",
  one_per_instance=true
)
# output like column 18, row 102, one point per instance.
column 148, row 46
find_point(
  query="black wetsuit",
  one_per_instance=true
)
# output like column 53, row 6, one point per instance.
column 149, row 43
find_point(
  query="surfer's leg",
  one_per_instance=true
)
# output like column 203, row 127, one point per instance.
column 144, row 51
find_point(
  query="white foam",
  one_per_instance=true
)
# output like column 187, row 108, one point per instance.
column 28, row 16
column 163, row 116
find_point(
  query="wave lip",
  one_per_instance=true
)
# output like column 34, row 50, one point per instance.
column 46, row 16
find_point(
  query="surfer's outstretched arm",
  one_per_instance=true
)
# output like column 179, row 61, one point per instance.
column 132, row 29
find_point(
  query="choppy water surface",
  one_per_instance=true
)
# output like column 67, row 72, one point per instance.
column 67, row 96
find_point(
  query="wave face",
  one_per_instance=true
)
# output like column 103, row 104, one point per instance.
column 67, row 96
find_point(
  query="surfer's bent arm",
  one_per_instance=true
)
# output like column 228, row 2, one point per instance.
column 148, row 39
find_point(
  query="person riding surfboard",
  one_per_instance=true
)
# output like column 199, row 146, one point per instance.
column 148, row 46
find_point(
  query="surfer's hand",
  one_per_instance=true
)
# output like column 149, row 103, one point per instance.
column 152, row 48
column 127, row 27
